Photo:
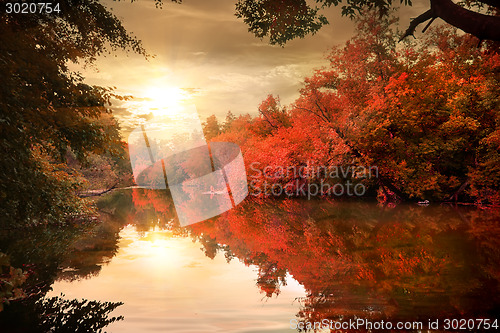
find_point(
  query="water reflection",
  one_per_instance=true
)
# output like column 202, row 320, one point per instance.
column 309, row 260
column 167, row 284
column 357, row 259
column 44, row 255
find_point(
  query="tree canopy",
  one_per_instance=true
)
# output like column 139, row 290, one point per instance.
column 284, row 20
column 48, row 112
column 425, row 113
column 46, row 109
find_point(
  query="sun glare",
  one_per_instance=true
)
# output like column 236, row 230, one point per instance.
column 164, row 100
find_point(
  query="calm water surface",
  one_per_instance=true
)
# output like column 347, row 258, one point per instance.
column 256, row 267
column 167, row 284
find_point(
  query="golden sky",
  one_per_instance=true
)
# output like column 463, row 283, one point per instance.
column 205, row 56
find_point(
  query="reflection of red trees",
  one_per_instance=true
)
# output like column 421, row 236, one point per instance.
column 159, row 200
column 152, row 208
column 355, row 259
column 483, row 226
column 91, row 249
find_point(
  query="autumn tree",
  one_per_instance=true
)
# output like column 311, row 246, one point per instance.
column 211, row 127
column 273, row 113
column 425, row 114
column 230, row 118
column 45, row 108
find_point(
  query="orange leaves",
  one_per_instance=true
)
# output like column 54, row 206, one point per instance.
column 425, row 114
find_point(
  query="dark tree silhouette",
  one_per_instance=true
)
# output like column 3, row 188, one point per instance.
column 284, row 20
column 46, row 109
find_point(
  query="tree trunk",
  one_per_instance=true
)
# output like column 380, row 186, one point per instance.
column 92, row 194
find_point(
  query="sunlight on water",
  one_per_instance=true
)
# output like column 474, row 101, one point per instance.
column 168, row 284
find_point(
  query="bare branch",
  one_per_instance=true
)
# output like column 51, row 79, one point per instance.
column 428, row 24
column 266, row 118
column 416, row 22
column 99, row 193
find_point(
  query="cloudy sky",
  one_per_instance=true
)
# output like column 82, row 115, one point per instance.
column 205, row 56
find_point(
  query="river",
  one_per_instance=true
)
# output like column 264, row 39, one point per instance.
column 265, row 266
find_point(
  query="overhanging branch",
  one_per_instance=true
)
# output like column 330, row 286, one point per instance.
column 416, row 22
column 484, row 27
column 480, row 25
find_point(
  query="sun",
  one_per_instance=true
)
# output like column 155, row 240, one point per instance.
column 164, row 100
